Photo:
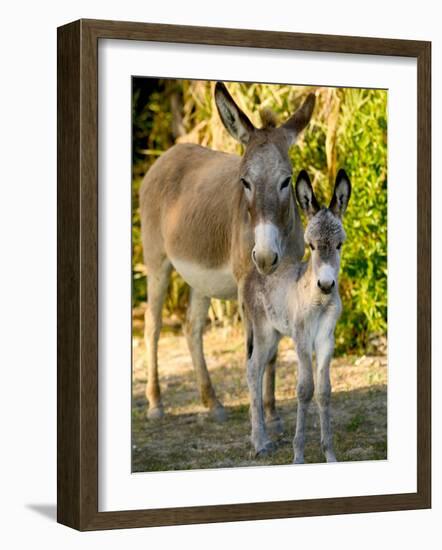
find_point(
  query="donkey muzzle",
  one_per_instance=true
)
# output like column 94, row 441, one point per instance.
column 326, row 286
column 266, row 253
column 265, row 263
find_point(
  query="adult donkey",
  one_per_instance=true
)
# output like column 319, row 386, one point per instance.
column 209, row 215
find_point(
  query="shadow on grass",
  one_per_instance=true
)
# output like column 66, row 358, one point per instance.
column 195, row 441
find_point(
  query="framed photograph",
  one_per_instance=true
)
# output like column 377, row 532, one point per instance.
column 244, row 292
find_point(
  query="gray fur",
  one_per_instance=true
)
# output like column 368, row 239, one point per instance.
column 296, row 301
column 325, row 226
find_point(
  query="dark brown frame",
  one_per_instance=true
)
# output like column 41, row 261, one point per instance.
column 77, row 409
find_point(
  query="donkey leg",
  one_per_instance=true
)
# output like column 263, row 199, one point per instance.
column 273, row 420
column 157, row 283
column 324, row 353
column 193, row 329
column 259, row 351
column 304, row 390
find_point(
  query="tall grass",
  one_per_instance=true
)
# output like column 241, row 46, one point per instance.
column 348, row 130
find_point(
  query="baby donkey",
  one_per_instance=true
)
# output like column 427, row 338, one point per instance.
column 300, row 300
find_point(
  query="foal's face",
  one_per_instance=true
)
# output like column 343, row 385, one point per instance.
column 265, row 175
column 324, row 233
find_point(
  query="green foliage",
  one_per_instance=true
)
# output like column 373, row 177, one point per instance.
column 348, row 129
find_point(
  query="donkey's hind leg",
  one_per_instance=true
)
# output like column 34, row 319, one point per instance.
column 193, row 329
column 273, row 421
column 157, row 283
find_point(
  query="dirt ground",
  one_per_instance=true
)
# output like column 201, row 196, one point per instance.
column 187, row 438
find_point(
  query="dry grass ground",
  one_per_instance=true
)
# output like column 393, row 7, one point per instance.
column 187, row 438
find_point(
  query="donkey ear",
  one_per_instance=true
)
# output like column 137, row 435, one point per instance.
column 297, row 122
column 304, row 194
column 341, row 194
column 235, row 121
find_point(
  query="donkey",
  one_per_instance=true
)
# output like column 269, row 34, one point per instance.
column 211, row 216
column 300, row 300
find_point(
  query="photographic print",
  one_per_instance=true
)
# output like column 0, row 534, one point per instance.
column 235, row 309
column 259, row 263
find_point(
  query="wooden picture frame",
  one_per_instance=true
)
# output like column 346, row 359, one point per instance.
column 77, row 461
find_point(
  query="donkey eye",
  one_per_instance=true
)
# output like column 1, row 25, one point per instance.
column 246, row 184
column 339, row 246
column 286, row 183
column 311, row 246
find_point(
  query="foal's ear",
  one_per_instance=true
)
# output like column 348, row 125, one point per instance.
column 304, row 194
column 297, row 122
column 341, row 194
column 235, row 121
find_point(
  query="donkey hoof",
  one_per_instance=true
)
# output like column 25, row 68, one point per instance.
column 267, row 450
column 275, row 426
column 298, row 460
column 155, row 413
column 218, row 413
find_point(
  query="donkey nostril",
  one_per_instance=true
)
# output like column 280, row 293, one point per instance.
column 275, row 260
column 327, row 287
column 254, row 255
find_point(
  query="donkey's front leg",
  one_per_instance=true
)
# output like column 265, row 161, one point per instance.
column 324, row 352
column 193, row 329
column 304, row 391
column 258, row 356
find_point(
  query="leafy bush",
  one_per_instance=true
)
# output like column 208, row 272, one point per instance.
column 348, row 129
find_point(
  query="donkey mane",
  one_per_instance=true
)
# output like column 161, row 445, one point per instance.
column 268, row 118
